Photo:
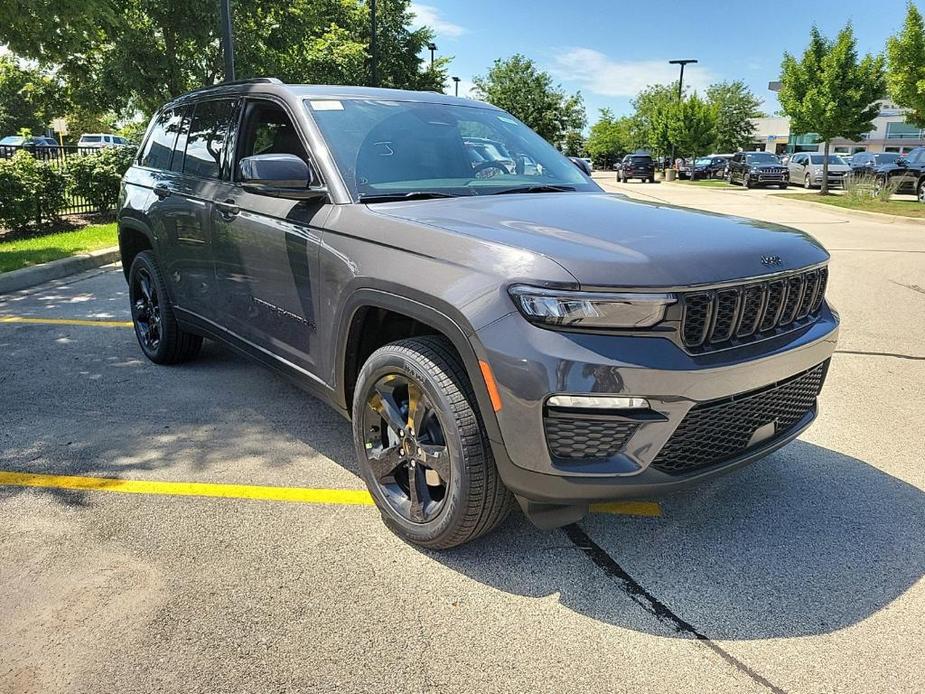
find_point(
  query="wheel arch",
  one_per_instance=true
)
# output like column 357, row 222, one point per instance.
column 134, row 237
column 352, row 347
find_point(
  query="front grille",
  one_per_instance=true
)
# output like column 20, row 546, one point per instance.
column 718, row 431
column 770, row 170
column 732, row 315
column 587, row 438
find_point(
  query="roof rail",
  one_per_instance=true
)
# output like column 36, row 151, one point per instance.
column 252, row 80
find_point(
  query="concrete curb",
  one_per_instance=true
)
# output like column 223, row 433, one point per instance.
column 56, row 269
column 879, row 216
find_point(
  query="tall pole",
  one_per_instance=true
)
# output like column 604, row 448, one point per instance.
column 456, row 80
column 682, row 63
column 373, row 49
column 432, row 47
column 227, row 39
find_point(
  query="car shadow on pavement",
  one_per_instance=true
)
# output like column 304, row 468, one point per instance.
column 808, row 541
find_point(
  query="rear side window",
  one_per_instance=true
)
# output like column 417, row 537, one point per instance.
column 205, row 145
column 158, row 149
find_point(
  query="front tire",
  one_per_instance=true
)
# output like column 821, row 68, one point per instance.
column 156, row 328
column 421, row 447
column 920, row 191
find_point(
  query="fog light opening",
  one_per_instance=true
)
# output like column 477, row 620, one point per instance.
column 603, row 402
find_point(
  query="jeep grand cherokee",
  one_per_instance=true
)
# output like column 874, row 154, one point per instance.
column 494, row 333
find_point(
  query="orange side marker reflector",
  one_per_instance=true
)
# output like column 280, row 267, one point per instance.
column 491, row 385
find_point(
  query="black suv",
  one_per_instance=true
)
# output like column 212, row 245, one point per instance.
column 493, row 332
column 907, row 173
column 756, row 169
column 639, row 165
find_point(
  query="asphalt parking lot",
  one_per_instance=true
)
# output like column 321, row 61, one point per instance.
column 802, row 573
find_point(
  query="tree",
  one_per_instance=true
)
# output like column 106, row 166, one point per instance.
column 574, row 144
column 735, row 106
column 610, row 138
column 516, row 85
column 653, row 112
column 905, row 76
column 28, row 99
column 136, row 54
column 829, row 92
column 692, row 126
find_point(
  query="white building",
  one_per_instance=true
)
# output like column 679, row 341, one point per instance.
column 891, row 133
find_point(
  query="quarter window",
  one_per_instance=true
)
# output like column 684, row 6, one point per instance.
column 205, row 145
column 158, row 150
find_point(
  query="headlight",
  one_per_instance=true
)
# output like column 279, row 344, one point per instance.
column 590, row 310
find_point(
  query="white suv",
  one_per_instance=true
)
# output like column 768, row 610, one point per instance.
column 100, row 140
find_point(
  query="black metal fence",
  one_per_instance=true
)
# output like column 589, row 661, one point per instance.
column 59, row 156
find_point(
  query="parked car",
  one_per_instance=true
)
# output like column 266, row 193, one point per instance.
column 101, row 140
column 709, row 167
column 907, row 174
column 588, row 162
column 523, row 336
column 638, row 165
column 871, row 163
column 755, row 169
column 41, row 146
column 806, row 169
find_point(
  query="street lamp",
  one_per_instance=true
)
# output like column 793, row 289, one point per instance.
column 682, row 63
column 227, row 40
column 432, row 47
column 456, row 80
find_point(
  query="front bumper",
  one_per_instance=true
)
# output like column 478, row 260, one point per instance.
column 531, row 363
column 768, row 177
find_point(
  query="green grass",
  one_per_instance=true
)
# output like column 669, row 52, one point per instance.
column 899, row 208
column 707, row 183
column 41, row 249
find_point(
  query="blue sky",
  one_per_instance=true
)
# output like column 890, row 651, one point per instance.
column 610, row 50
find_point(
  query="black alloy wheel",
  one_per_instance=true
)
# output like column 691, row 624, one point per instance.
column 405, row 448
column 920, row 191
column 159, row 335
column 146, row 310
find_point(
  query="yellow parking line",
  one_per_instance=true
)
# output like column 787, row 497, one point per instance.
column 67, row 321
column 341, row 497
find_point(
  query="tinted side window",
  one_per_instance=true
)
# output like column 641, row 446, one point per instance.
column 205, row 145
column 158, row 150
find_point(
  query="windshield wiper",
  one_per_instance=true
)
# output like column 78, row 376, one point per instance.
column 534, row 189
column 413, row 195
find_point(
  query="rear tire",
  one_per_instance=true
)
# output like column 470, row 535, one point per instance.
column 156, row 328
column 460, row 496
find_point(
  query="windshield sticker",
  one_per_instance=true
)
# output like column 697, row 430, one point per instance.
column 507, row 120
column 327, row 105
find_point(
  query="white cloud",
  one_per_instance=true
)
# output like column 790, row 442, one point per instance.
column 429, row 16
column 598, row 74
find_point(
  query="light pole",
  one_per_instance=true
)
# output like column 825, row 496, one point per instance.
column 432, row 47
column 227, row 40
column 373, row 56
column 456, row 80
column 682, row 63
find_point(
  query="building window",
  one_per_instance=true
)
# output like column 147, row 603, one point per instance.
column 902, row 131
column 842, row 150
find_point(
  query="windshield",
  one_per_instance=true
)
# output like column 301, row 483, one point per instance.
column 12, row 140
column 819, row 158
column 399, row 147
column 761, row 158
column 703, row 162
column 886, row 157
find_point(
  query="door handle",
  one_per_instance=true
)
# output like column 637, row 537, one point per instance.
column 161, row 190
column 227, row 208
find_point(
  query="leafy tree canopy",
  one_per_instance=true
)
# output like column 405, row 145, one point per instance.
column 734, row 106
column 611, row 138
column 692, row 126
column 516, row 85
column 28, row 98
column 123, row 55
column 905, row 76
column 654, row 107
column 829, row 91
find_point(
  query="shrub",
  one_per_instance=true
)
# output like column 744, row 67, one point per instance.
column 859, row 188
column 30, row 190
column 96, row 177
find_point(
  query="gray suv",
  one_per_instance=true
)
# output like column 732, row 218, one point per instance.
column 494, row 333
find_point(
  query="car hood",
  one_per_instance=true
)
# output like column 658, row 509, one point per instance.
column 609, row 240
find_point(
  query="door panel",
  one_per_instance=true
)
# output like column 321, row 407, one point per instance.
column 266, row 266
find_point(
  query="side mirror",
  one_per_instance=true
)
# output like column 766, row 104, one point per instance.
column 581, row 164
column 279, row 175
